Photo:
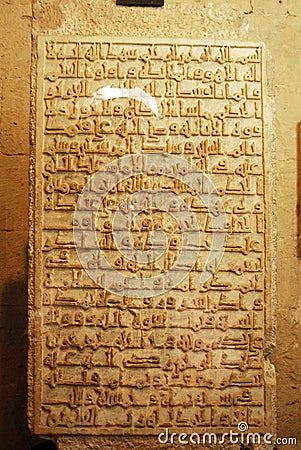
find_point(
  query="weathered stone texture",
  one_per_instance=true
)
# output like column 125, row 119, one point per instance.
column 111, row 356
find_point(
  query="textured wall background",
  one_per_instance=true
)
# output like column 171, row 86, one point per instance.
column 275, row 22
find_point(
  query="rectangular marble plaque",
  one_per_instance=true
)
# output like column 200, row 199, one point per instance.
column 184, row 352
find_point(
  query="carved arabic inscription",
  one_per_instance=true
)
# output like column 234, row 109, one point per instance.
column 190, row 357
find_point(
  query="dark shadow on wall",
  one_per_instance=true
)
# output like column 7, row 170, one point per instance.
column 14, row 432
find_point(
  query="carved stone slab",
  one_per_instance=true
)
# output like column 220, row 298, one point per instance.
column 148, row 153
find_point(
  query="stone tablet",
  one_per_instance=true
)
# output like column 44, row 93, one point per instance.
column 150, row 271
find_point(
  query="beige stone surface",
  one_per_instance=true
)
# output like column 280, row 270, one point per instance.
column 277, row 24
column 187, row 350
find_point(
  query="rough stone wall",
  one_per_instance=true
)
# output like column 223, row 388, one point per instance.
column 274, row 22
column 15, row 45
